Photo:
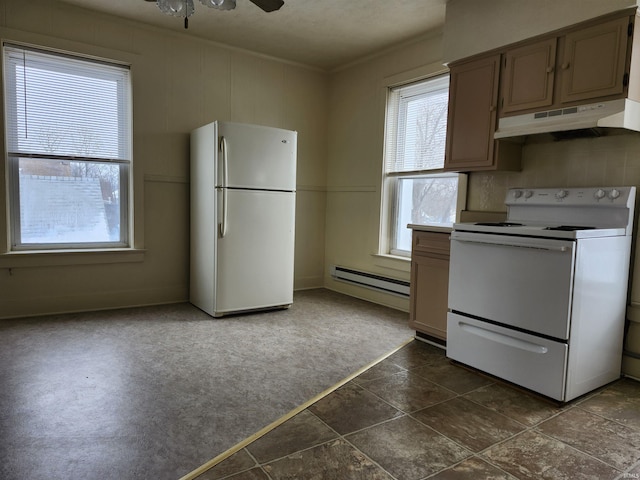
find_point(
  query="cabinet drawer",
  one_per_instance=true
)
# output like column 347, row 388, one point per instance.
column 434, row 243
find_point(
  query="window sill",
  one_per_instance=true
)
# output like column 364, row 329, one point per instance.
column 54, row 258
column 394, row 262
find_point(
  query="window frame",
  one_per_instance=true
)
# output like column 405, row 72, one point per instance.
column 390, row 180
column 124, row 161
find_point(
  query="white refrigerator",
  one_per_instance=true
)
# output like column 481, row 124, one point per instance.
column 243, row 195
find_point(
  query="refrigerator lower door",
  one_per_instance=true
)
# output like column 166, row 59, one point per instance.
column 254, row 259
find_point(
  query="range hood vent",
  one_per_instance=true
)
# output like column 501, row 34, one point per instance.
column 622, row 113
column 581, row 133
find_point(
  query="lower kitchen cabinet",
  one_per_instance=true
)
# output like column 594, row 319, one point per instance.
column 429, row 283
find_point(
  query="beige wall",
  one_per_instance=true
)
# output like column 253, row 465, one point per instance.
column 340, row 120
column 356, row 121
column 356, row 134
column 356, row 126
column 473, row 26
column 179, row 83
column 356, row 130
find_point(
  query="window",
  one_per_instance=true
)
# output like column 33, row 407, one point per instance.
column 415, row 189
column 68, row 140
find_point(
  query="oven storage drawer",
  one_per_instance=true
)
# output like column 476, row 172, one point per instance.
column 515, row 281
column 532, row 362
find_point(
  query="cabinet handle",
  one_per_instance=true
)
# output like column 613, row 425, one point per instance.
column 503, row 243
column 492, row 108
column 566, row 65
column 550, row 69
column 498, row 337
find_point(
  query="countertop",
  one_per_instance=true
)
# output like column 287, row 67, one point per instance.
column 465, row 216
column 430, row 228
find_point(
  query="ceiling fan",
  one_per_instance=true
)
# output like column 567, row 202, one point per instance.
column 184, row 8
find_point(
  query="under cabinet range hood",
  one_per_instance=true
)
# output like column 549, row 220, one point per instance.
column 621, row 113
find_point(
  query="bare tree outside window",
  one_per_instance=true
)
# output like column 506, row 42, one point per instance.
column 434, row 200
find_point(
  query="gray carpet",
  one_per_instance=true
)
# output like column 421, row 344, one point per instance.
column 155, row 392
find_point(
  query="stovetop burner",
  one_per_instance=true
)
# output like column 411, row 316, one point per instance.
column 499, row 224
column 562, row 228
column 569, row 228
column 534, row 229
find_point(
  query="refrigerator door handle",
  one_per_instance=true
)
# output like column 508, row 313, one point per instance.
column 225, row 179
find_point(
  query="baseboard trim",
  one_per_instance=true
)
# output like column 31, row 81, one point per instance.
column 380, row 298
column 91, row 302
column 436, row 342
column 308, row 283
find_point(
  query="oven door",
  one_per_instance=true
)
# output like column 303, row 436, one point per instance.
column 520, row 282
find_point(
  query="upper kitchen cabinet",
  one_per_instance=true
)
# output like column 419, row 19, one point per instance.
column 594, row 61
column 473, row 102
column 472, row 117
column 581, row 64
column 528, row 76
column 573, row 66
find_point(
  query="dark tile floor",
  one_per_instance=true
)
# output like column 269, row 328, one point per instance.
column 415, row 416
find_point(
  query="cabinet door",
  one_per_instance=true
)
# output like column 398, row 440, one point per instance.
column 429, row 304
column 429, row 283
column 594, row 61
column 528, row 76
column 473, row 98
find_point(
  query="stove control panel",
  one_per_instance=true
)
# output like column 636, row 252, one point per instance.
column 589, row 196
column 520, row 193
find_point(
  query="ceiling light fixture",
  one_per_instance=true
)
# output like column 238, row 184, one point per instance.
column 185, row 8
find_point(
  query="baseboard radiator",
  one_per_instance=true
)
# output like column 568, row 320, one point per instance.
column 371, row 280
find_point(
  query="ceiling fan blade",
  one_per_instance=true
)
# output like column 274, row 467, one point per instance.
column 268, row 5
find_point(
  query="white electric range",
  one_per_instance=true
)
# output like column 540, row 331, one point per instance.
column 540, row 299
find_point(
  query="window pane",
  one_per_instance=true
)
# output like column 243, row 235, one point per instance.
column 426, row 201
column 423, row 132
column 415, row 141
column 417, row 126
column 66, row 106
column 65, row 202
column 68, row 139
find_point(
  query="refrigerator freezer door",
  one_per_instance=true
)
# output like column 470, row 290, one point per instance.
column 258, row 157
column 254, row 267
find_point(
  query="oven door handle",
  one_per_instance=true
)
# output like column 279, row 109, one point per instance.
column 503, row 339
column 501, row 243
